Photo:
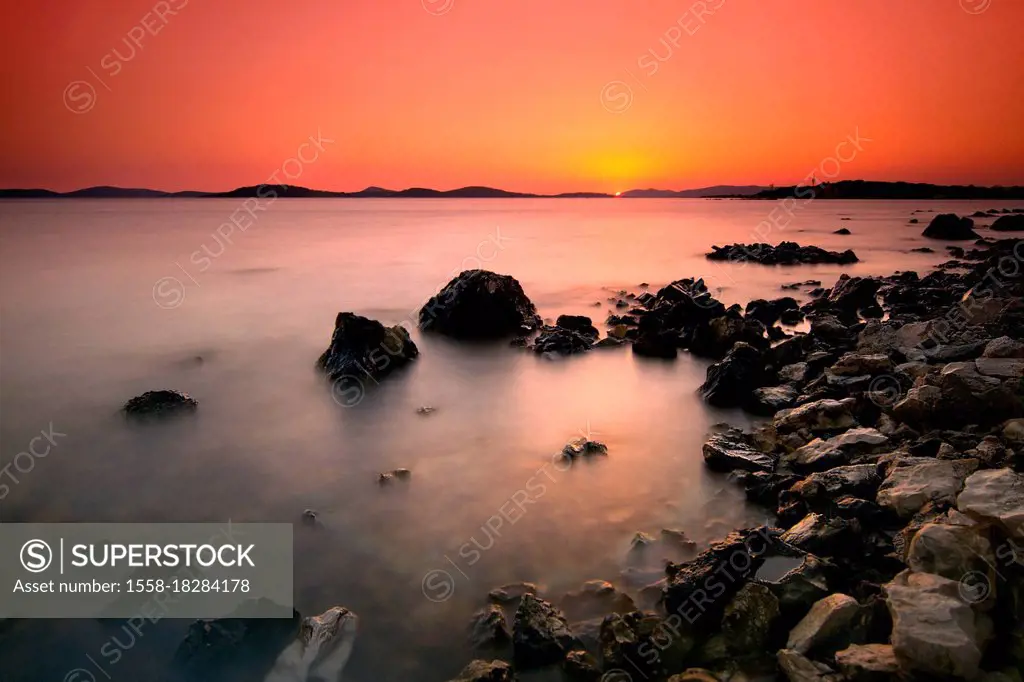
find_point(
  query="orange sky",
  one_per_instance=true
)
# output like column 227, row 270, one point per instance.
column 528, row 95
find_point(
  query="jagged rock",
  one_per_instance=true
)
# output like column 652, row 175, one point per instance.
column 797, row 372
column 829, row 328
column 859, row 480
column 582, row 447
column 819, row 535
column 485, row 671
column 800, row 587
column 952, row 551
column 730, row 382
column 732, row 450
column 786, row 253
column 580, row 666
column 540, row 634
column 911, row 484
column 160, row 404
column 562, row 342
column 363, row 346
column 829, row 623
column 853, row 364
column 868, row 663
column 934, row 631
column 767, row 312
column 749, row 617
column 488, row 628
column 479, row 304
column 578, row 323
column 511, row 593
column 995, row 496
column 715, row 337
column 817, row 416
column 951, row 227
column 820, row 455
column 850, row 294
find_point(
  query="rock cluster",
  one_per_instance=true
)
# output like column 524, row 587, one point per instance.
column 786, row 253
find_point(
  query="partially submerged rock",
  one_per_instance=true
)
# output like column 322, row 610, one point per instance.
column 163, row 403
column 786, row 253
column 950, row 226
column 361, row 346
column 540, row 634
column 479, row 304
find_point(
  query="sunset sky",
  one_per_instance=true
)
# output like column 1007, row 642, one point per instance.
column 528, row 95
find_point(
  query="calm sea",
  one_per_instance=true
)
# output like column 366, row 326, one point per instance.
column 102, row 300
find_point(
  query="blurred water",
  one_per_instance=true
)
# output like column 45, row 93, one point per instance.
column 102, row 300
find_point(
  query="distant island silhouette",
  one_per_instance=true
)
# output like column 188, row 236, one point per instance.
column 846, row 189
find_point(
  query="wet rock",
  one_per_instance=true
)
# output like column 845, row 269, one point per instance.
column 850, row 294
column 595, row 598
column 820, row 535
column 854, row 364
column 1004, row 347
column 479, row 304
column 657, row 345
column 1008, row 223
column 786, row 253
column 488, row 628
column 733, row 450
column 820, row 455
column 749, row 617
column 583, row 447
column 578, row 323
column 858, row 480
column 868, row 663
column 580, row 666
column 934, row 631
column 799, row 587
column 908, row 487
column 540, row 634
column 767, row 312
column 160, row 404
column 829, row 623
column 995, row 496
column 363, row 346
column 485, row 671
column 950, row 226
column 730, row 382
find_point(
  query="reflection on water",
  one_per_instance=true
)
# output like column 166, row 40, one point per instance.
column 84, row 329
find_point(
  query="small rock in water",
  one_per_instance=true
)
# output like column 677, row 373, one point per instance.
column 580, row 447
column 842, row 230
column 488, row 628
column 387, row 477
column 160, row 404
column 426, row 409
column 309, row 516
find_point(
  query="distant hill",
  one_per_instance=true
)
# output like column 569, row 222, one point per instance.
column 702, row 193
column 867, row 189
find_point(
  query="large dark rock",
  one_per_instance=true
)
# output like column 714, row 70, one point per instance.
column 715, row 337
column 540, row 634
column 768, row 312
column 562, row 341
column 160, row 404
column 578, row 323
column 1009, row 223
column 950, row 226
column 731, row 382
column 786, row 253
column 363, row 346
column 479, row 304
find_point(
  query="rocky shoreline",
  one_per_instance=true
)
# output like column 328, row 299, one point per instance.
column 891, row 454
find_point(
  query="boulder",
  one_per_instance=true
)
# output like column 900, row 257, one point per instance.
column 1008, row 223
column 868, row 663
column 769, row 400
column 485, row 671
column 952, row 551
column 934, row 632
column 594, row 599
column 734, row 450
column 748, row 619
column 830, row 622
column 768, row 312
column 657, row 345
column 162, row 403
column 995, row 496
column 361, row 346
column 1004, row 347
column 799, row 668
column 540, row 634
column 950, row 226
column 858, row 480
column 909, row 487
column 479, row 304
column 821, row 455
column 488, row 628
column 1001, row 368
column 850, row 294
column 578, row 323
column 730, row 382
column 818, row 534
column 801, row 586
column 854, row 364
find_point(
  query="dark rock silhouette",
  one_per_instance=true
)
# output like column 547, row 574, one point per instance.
column 479, row 304
column 361, row 346
column 1009, row 223
column 162, row 403
column 786, row 253
column 950, row 226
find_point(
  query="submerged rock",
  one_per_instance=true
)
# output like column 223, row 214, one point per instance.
column 488, row 628
column 361, row 346
column 160, row 404
column 479, row 304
